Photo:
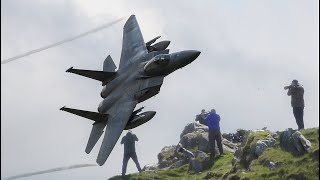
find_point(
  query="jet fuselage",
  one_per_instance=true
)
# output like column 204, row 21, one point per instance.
column 135, row 79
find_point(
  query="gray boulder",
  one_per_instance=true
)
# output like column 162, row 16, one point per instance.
column 300, row 142
column 235, row 137
column 262, row 145
column 195, row 166
column 229, row 146
column 228, row 136
column 189, row 140
column 200, row 155
column 203, row 141
column 189, row 128
column 294, row 141
column 166, row 156
column 184, row 152
column 286, row 140
column 178, row 163
column 150, row 168
column 195, row 140
column 270, row 141
column 199, row 140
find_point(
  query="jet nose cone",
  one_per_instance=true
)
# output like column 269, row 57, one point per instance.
column 193, row 54
column 189, row 56
column 152, row 113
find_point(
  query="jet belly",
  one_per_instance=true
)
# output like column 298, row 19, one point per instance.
column 106, row 90
column 148, row 88
column 107, row 103
column 127, row 86
column 123, row 80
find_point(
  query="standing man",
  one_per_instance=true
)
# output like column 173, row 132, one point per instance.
column 296, row 91
column 200, row 117
column 129, row 151
column 213, row 120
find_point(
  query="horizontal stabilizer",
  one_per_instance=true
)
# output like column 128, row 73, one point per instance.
column 102, row 76
column 95, row 116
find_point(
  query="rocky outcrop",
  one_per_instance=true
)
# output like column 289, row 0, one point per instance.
column 193, row 127
column 150, row 168
column 166, row 157
column 195, row 166
column 286, row 140
column 294, row 141
column 300, row 142
column 235, row 137
column 195, row 137
column 262, row 145
column 193, row 148
column 251, row 148
column 194, row 140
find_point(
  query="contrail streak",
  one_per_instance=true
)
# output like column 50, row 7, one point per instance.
column 61, row 42
column 50, row 171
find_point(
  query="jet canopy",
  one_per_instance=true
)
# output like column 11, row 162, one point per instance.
column 157, row 62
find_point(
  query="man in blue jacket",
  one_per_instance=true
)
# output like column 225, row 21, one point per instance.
column 213, row 120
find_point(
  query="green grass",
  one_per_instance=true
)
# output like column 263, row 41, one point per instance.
column 305, row 166
column 221, row 165
column 253, row 138
column 290, row 164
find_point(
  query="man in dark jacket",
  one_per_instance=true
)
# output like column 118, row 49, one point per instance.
column 200, row 117
column 213, row 120
column 296, row 91
column 129, row 151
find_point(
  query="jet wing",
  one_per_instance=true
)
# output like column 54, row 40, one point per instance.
column 119, row 115
column 133, row 43
column 98, row 117
column 96, row 75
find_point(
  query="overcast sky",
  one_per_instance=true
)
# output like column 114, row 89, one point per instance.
column 250, row 51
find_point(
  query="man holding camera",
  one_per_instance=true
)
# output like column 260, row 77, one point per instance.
column 129, row 151
column 201, row 117
column 296, row 91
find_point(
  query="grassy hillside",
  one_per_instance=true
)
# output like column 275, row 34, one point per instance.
column 291, row 165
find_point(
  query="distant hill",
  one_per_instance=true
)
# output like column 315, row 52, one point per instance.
column 248, row 154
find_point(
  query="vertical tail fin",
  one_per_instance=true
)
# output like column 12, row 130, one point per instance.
column 108, row 65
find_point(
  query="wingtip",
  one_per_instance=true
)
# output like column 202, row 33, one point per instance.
column 68, row 70
column 99, row 162
column 87, row 151
column 63, row 108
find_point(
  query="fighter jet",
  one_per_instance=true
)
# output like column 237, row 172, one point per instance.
column 139, row 77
